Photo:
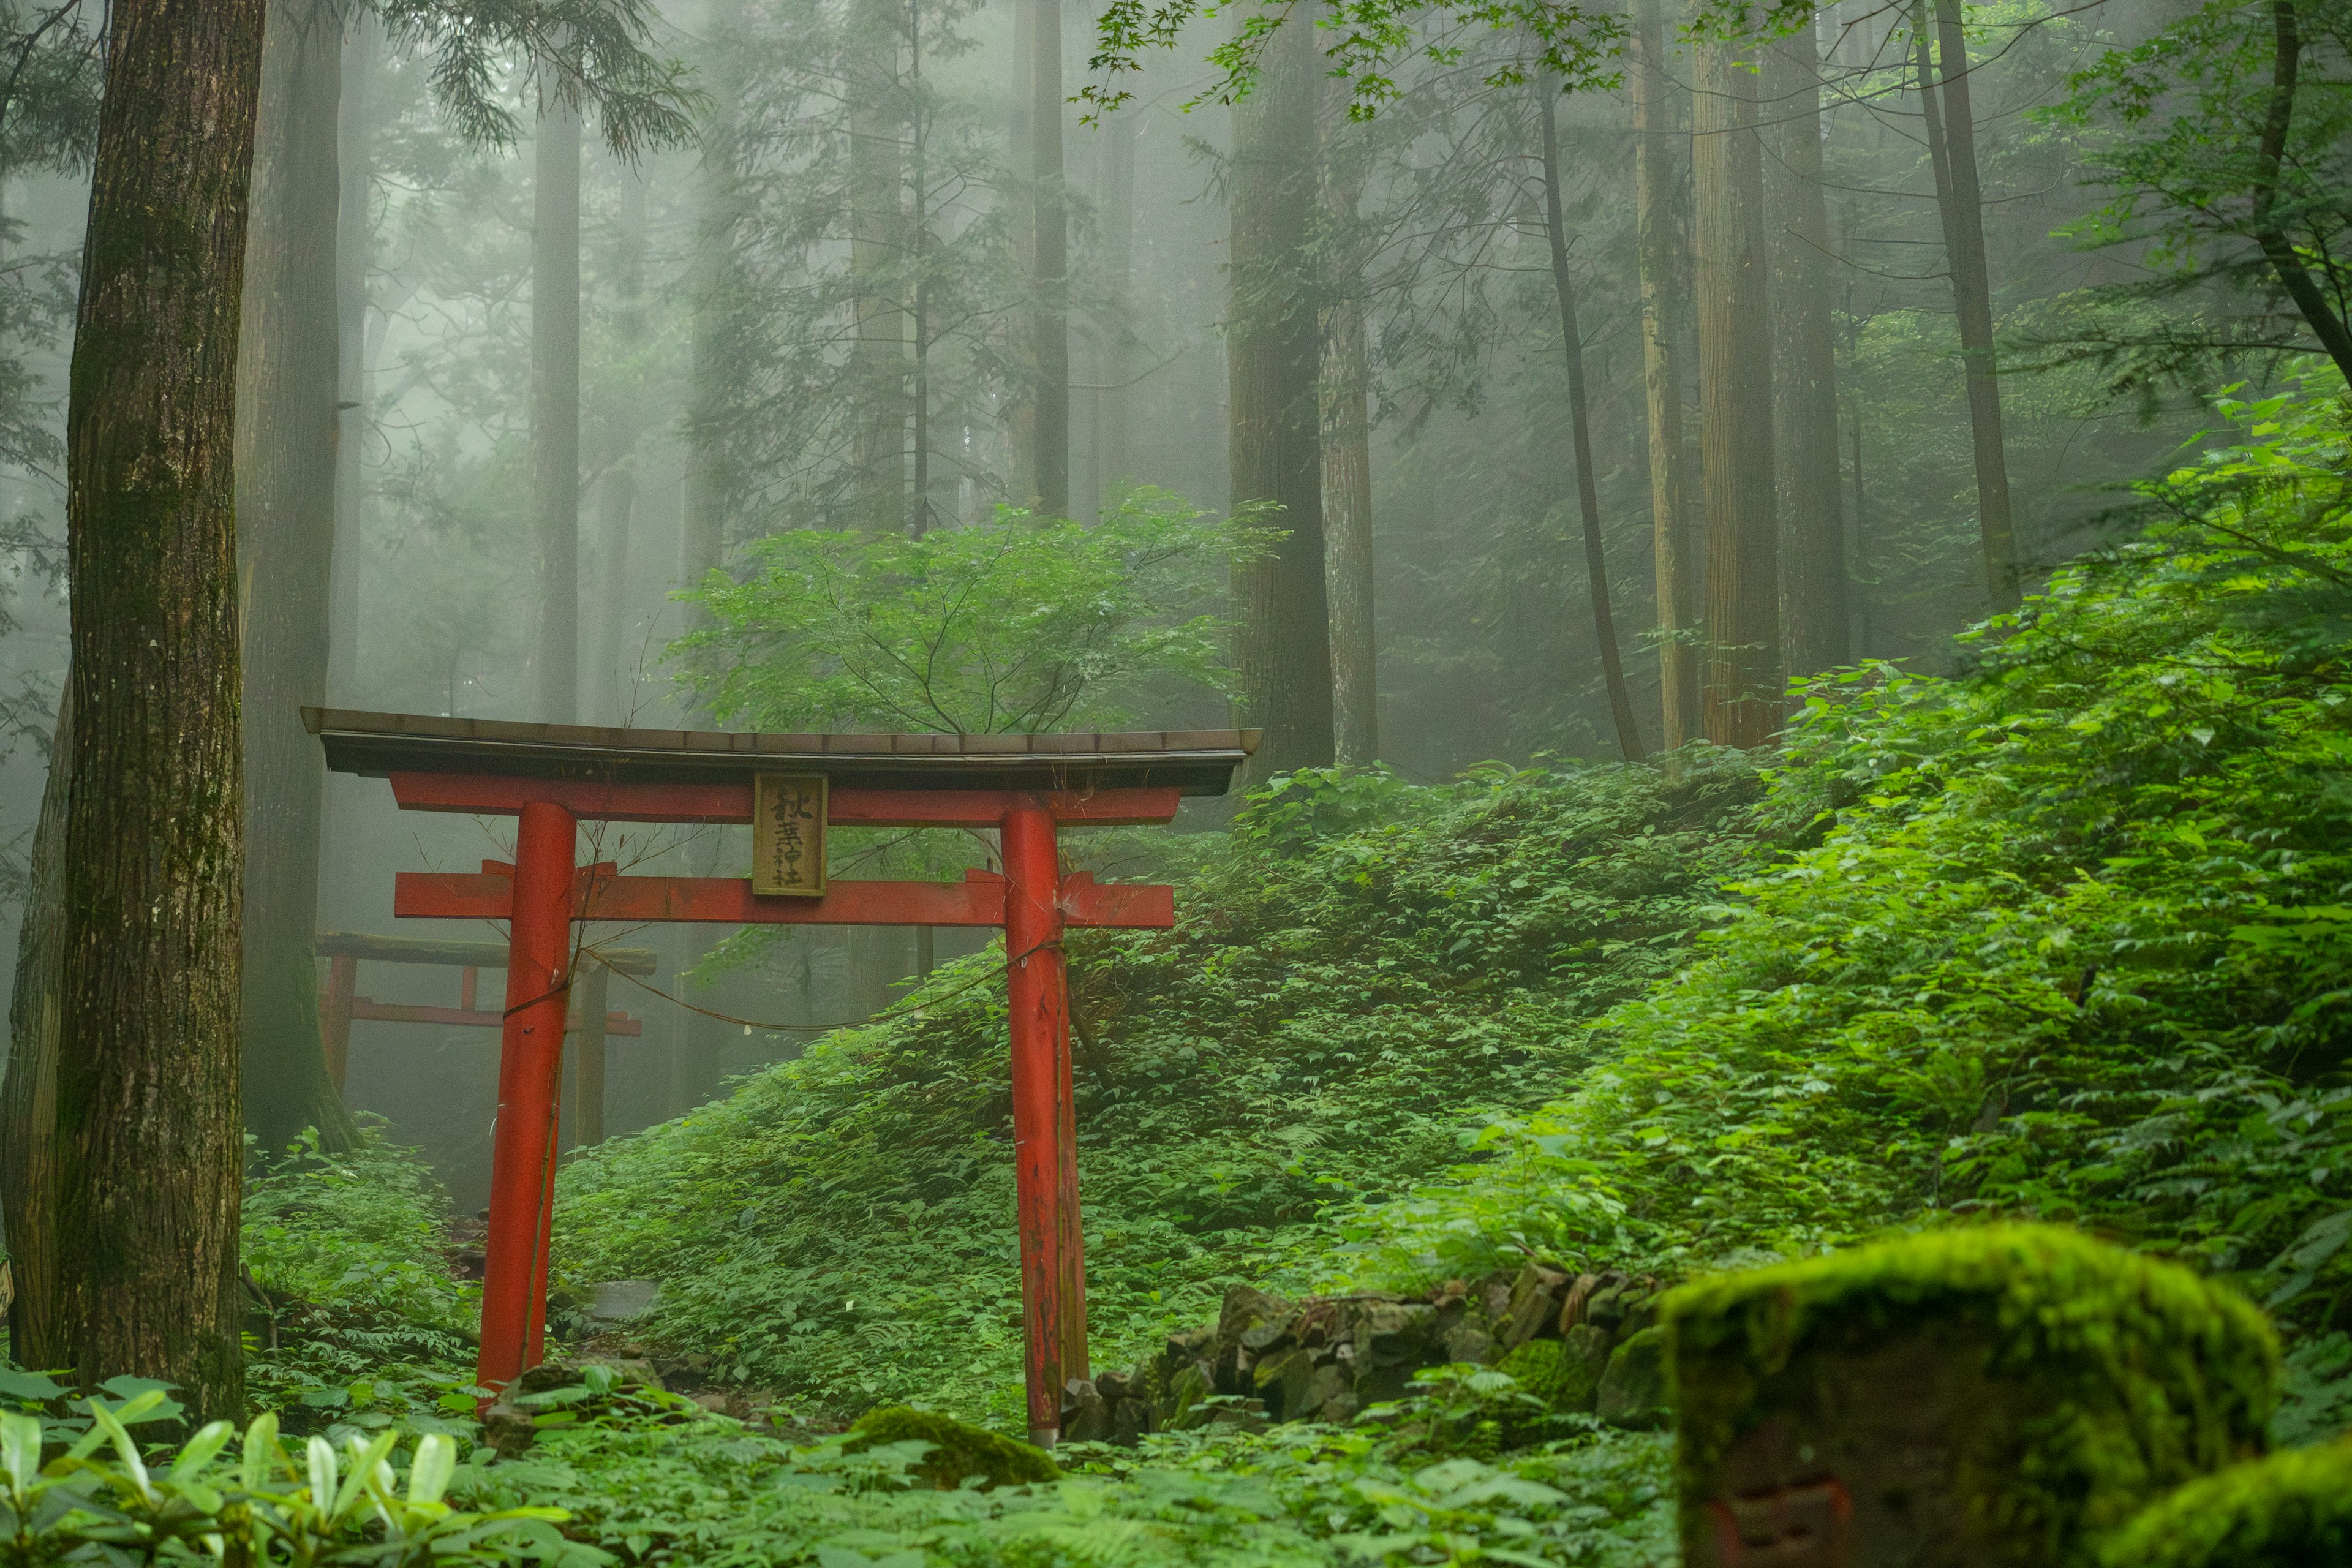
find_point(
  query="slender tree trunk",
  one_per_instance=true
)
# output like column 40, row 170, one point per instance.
column 1346, row 452
column 1804, row 363
column 1952, row 142
column 354, row 249
column 1580, row 421
column 285, row 442
column 28, row 1101
column 1050, row 253
column 1021, row 419
column 1118, row 267
column 616, row 491
column 1665, row 292
column 1740, row 698
column 877, row 257
column 150, row 1132
column 555, row 404
column 2286, row 64
column 1273, row 352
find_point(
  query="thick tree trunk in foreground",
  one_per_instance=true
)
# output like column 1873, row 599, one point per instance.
column 1273, row 352
column 1952, row 142
column 1805, row 365
column 285, row 454
column 1740, row 698
column 1666, row 285
column 1050, row 264
column 1579, row 422
column 28, row 1099
column 555, row 405
column 1348, row 454
column 150, row 1134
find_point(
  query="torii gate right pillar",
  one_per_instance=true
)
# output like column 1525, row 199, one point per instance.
column 1044, row 1122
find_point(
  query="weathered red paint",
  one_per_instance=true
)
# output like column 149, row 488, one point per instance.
column 531, row 1069
column 981, row 901
column 481, row 795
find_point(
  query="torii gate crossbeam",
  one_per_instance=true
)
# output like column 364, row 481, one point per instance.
column 553, row 777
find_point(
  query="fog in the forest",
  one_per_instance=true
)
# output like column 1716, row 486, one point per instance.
column 727, row 379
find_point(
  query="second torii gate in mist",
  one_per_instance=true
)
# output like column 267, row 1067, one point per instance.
column 553, row 777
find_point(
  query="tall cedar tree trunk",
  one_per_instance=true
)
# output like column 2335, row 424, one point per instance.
column 1662, row 237
column 1347, row 451
column 354, row 245
column 1273, row 352
column 616, row 493
column 28, row 1098
column 1952, row 146
column 1740, row 694
column 286, row 443
column 555, row 404
column 1579, row 422
column 1118, row 267
column 702, row 526
column 1050, row 262
column 1805, row 365
column 150, row 1134
column 877, row 183
column 2286, row 65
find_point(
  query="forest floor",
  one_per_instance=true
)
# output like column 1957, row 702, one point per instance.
column 2063, row 937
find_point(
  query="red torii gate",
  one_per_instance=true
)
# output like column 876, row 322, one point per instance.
column 551, row 777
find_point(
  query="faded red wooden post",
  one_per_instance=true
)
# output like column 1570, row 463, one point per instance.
column 530, row 1060
column 1044, row 1174
column 343, row 985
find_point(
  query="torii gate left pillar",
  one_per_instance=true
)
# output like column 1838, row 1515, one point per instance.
column 1028, row 796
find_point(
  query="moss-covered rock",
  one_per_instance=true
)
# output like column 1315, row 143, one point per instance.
column 2004, row 1395
column 2291, row 1510
column 1565, row 1373
column 1636, row 1391
column 957, row 1450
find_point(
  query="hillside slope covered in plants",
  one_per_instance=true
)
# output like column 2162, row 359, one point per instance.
column 2065, row 936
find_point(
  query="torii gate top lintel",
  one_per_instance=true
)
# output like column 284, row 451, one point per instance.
column 553, row 776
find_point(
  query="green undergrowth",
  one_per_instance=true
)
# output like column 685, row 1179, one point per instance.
column 1361, row 968
column 353, row 1318
column 1423, row 1480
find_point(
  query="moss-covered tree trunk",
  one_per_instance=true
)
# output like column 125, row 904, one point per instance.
column 1273, row 352
column 150, row 1133
column 288, row 382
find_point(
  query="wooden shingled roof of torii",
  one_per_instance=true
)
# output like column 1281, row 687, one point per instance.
column 1196, row 762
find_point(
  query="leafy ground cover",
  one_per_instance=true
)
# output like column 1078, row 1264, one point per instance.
column 1361, row 963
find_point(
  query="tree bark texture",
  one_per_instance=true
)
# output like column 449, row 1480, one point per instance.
column 1805, row 365
column 150, row 1133
column 1050, row 264
column 878, row 253
column 1740, row 695
column 1579, row 422
column 1347, row 579
column 1117, row 226
column 288, row 379
column 28, row 1098
column 1662, row 236
column 555, row 404
column 1273, row 352
column 1952, row 140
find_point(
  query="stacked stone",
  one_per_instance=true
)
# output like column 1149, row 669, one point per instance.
column 1586, row 1341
